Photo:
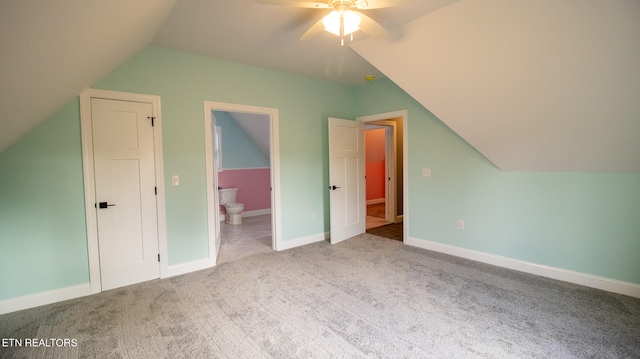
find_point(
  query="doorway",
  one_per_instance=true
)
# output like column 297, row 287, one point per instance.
column 387, row 166
column 242, row 153
column 379, row 159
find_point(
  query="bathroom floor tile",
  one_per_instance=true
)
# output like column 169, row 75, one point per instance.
column 253, row 236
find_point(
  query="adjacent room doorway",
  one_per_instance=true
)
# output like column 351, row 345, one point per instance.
column 394, row 125
column 347, row 179
column 213, row 157
column 380, row 159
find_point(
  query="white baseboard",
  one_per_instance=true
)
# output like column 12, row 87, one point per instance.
column 257, row 212
column 189, row 267
column 44, row 298
column 608, row 284
column 284, row 245
column 376, row 201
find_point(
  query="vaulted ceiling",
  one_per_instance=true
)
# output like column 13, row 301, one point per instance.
column 533, row 85
column 50, row 51
column 540, row 85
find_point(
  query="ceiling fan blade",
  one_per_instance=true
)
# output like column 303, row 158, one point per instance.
column 296, row 3
column 379, row 4
column 370, row 26
column 313, row 31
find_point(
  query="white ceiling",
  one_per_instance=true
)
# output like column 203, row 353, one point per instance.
column 267, row 36
column 52, row 50
column 533, row 85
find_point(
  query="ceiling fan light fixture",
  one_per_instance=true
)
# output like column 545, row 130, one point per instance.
column 341, row 24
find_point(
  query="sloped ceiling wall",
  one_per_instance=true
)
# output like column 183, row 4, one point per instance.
column 541, row 85
column 52, row 50
column 256, row 126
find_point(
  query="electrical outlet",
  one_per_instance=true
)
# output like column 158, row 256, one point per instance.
column 460, row 224
column 314, row 215
column 175, row 180
column 426, row 172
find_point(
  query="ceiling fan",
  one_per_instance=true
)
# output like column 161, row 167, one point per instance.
column 344, row 19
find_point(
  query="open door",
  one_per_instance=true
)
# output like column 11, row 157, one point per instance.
column 346, row 179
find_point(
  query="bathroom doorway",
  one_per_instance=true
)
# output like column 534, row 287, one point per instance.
column 242, row 152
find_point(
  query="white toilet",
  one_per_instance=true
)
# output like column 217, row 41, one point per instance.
column 234, row 209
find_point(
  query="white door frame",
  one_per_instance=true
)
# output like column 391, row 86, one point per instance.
column 405, row 162
column 89, row 179
column 212, row 179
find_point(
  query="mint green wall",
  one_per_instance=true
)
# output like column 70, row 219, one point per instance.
column 43, row 242
column 578, row 221
column 184, row 81
column 238, row 149
column 585, row 222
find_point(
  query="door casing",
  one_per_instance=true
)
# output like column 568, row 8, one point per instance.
column 89, row 178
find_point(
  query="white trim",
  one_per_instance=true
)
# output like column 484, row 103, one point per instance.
column 89, row 180
column 211, row 180
column 213, row 209
column 608, row 284
column 256, row 212
column 184, row 268
column 303, row 241
column 44, row 298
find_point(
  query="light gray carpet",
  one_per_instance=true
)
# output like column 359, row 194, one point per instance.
column 366, row 297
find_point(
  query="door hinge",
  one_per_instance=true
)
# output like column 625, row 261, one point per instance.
column 155, row 189
column 153, row 119
column 158, row 257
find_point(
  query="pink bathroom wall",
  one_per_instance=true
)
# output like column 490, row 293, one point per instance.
column 375, row 165
column 375, row 180
column 253, row 186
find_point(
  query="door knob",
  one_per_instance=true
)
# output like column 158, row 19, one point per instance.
column 333, row 188
column 105, row 205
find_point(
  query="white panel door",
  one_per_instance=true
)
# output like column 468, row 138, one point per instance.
column 125, row 192
column 346, row 179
